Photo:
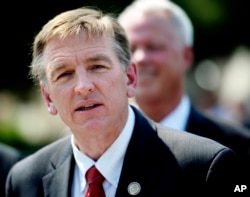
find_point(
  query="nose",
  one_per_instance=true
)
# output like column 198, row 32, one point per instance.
column 84, row 84
column 139, row 55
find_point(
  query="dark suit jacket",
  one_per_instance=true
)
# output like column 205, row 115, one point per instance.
column 233, row 136
column 8, row 157
column 178, row 162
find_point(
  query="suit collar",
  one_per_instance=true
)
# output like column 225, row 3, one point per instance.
column 146, row 160
column 62, row 165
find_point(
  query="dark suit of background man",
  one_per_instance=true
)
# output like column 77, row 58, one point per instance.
column 81, row 61
column 8, row 157
column 161, row 37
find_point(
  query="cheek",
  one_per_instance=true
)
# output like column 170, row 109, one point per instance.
column 159, row 59
column 60, row 94
column 117, row 84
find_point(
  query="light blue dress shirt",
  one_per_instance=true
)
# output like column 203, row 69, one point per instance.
column 178, row 118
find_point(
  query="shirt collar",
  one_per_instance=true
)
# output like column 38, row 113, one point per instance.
column 178, row 118
column 113, row 156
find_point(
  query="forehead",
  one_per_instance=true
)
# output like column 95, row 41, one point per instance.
column 79, row 46
column 153, row 26
column 151, row 20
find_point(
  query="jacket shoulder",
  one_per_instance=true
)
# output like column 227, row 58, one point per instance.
column 46, row 158
column 188, row 147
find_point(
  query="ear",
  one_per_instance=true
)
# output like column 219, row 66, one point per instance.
column 188, row 57
column 46, row 97
column 132, row 79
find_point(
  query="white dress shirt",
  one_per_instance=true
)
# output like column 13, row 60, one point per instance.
column 109, row 164
column 178, row 118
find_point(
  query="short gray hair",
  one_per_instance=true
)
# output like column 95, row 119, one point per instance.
column 179, row 16
column 90, row 20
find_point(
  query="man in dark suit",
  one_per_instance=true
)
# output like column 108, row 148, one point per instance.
column 161, row 37
column 81, row 60
column 8, row 157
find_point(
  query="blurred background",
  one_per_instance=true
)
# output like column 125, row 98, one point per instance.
column 218, row 83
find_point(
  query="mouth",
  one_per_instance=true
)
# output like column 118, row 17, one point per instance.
column 146, row 77
column 148, row 72
column 87, row 107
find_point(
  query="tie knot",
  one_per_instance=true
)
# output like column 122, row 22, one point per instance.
column 93, row 175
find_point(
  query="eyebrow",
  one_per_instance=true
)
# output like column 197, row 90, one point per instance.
column 55, row 68
column 99, row 57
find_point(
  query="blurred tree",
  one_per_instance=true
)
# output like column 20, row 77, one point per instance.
column 220, row 26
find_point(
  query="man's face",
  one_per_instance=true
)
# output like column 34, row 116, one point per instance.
column 87, row 85
column 159, row 52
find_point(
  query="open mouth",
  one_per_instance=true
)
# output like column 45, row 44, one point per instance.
column 89, row 107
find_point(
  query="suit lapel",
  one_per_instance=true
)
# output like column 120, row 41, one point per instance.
column 53, row 183
column 199, row 124
column 147, row 161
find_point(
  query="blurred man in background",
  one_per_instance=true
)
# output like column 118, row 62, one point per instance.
column 161, row 38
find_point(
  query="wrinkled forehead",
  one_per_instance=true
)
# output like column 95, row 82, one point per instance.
column 78, row 44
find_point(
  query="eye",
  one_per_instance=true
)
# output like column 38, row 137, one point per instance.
column 64, row 74
column 154, row 47
column 97, row 67
column 133, row 49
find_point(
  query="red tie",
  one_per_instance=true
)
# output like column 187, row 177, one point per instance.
column 94, row 180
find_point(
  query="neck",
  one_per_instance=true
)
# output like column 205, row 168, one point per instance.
column 160, row 108
column 93, row 142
